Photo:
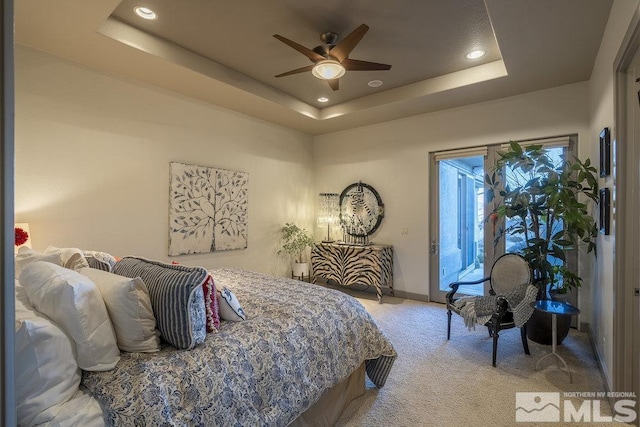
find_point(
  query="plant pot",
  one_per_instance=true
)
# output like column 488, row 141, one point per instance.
column 300, row 269
column 539, row 328
column 558, row 296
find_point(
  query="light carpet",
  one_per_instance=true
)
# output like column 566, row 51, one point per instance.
column 435, row 382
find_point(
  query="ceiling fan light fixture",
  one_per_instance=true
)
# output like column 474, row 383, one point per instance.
column 328, row 69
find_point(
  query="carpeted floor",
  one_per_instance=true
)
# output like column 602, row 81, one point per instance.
column 435, row 382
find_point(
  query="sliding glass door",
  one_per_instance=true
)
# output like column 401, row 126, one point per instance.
column 460, row 239
column 462, row 233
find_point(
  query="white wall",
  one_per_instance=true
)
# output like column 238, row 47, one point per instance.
column 393, row 158
column 601, row 89
column 93, row 154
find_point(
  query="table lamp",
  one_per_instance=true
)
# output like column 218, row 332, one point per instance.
column 329, row 212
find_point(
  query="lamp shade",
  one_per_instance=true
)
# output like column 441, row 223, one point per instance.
column 328, row 211
column 328, row 69
column 329, row 208
column 22, row 236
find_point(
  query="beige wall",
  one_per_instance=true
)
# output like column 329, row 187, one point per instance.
column 601, row 89
column 92, row 164
column 393, row 158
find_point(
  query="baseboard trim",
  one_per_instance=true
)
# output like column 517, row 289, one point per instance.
column 607, row 384
column 372, row 290
column 411, row 295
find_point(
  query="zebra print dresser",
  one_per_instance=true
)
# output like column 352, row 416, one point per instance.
column 347, row 265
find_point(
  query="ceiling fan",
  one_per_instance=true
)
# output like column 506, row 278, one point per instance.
column 331, row 60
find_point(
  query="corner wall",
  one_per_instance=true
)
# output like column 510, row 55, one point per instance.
column 393, row 157
column 93, row 154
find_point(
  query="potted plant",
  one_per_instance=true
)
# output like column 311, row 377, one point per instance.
column 546, row 215
column 563, row 282
column 295, row 241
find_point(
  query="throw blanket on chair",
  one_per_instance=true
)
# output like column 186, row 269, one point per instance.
column 480, row 309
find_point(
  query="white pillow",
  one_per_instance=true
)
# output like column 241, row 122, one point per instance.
column 21, row 295
column 83, row 410
column 74, row 302
column 72, row 258
column 27, row 255
column 129, row 308
column 46, row 370
column 229, row 306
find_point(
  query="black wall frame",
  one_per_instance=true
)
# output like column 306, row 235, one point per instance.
column 605, row 211
column 605, row 152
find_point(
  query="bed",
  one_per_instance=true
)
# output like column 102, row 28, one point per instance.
column 300, row 354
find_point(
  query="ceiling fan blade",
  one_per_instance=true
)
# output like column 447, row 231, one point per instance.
column 335, row 84
column 356, row 65
column 346, row 45
column 303, row 50
column 297, row 71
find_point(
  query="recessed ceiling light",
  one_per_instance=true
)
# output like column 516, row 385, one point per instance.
column 323, row 99
column 475, row 54
column 375, row 83
column 145, row 12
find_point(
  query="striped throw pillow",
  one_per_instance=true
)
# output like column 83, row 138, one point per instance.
column 176, row 296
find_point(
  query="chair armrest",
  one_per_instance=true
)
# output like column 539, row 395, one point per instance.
column 475, row 282
column 455, row 285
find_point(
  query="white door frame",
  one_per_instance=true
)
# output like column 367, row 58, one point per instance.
column 627, row 244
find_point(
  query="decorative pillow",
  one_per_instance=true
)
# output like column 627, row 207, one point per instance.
column 129, row 308
column 100, row 260
column 46, row 370
column 72, row 258
column 74, row 302
column 27, row 255
column 176, row 296
column 210, row 302
column 230, row 308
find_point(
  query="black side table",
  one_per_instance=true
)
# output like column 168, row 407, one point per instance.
column 302, row 278
column 555, row 308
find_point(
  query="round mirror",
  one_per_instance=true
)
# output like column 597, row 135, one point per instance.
column 361, row 209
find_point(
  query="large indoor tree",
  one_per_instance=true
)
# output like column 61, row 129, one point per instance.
column 544, row 202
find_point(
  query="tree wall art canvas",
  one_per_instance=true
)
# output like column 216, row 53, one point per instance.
column 207, row 209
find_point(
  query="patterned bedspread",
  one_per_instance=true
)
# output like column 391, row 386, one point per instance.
column 298, row 341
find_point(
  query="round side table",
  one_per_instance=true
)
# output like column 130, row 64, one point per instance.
column 555, row 308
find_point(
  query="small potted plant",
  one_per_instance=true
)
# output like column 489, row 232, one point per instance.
column 559, row 289
column 295, row 241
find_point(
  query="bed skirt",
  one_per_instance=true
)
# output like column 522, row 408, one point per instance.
column 327, row 410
